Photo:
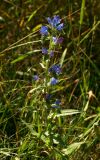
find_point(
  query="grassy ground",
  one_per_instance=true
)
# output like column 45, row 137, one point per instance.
column 30, row 126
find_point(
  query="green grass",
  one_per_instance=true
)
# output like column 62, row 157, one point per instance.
column 29, row 127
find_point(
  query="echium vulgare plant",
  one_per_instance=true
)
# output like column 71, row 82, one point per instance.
column 51, row 32
column 51, row 40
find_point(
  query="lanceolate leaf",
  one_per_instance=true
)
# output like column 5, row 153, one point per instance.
column 72, row 148
column 67, row 112
column 22, row 57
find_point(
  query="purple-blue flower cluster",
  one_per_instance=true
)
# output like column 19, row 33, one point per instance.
column 55, row 69
column 51, row 33
column 56, row 22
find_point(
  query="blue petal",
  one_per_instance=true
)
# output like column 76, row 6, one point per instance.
column 60, row 27
column 35, row 77
column 49, row 20
column 44, row 50
column 44, row 30
column 53, row 81
column 55, row 39
column 51, row 54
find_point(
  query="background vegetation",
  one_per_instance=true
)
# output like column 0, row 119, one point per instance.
column 27, row 129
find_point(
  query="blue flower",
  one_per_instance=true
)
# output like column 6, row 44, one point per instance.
column 55, row 69
column 57, row 40
column 55, row 22
column 44, row 50
column 53, row 81
column 44, row 30
column 56, row 104
column 60, row 27
column 35, row 77
column 48, row 96
column 60, row 40
column 51, row 54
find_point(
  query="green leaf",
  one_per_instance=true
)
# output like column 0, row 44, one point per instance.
column 82, row 12
column 72, row 148
column 30, row 127
column 67, row 112
column 22, row 57
column 34, row 13
column 63, row 57
column 36, row 28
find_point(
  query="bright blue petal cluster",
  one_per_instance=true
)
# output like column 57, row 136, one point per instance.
column 53, row 81
column 44, row 30
column 55, row 69
column 56, row 22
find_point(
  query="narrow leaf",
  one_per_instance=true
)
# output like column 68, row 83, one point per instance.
column 82, row 12
column 72, row 148
column 63, row 57
column 67, row 112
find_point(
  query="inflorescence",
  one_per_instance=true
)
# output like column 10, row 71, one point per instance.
column 51, row 32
